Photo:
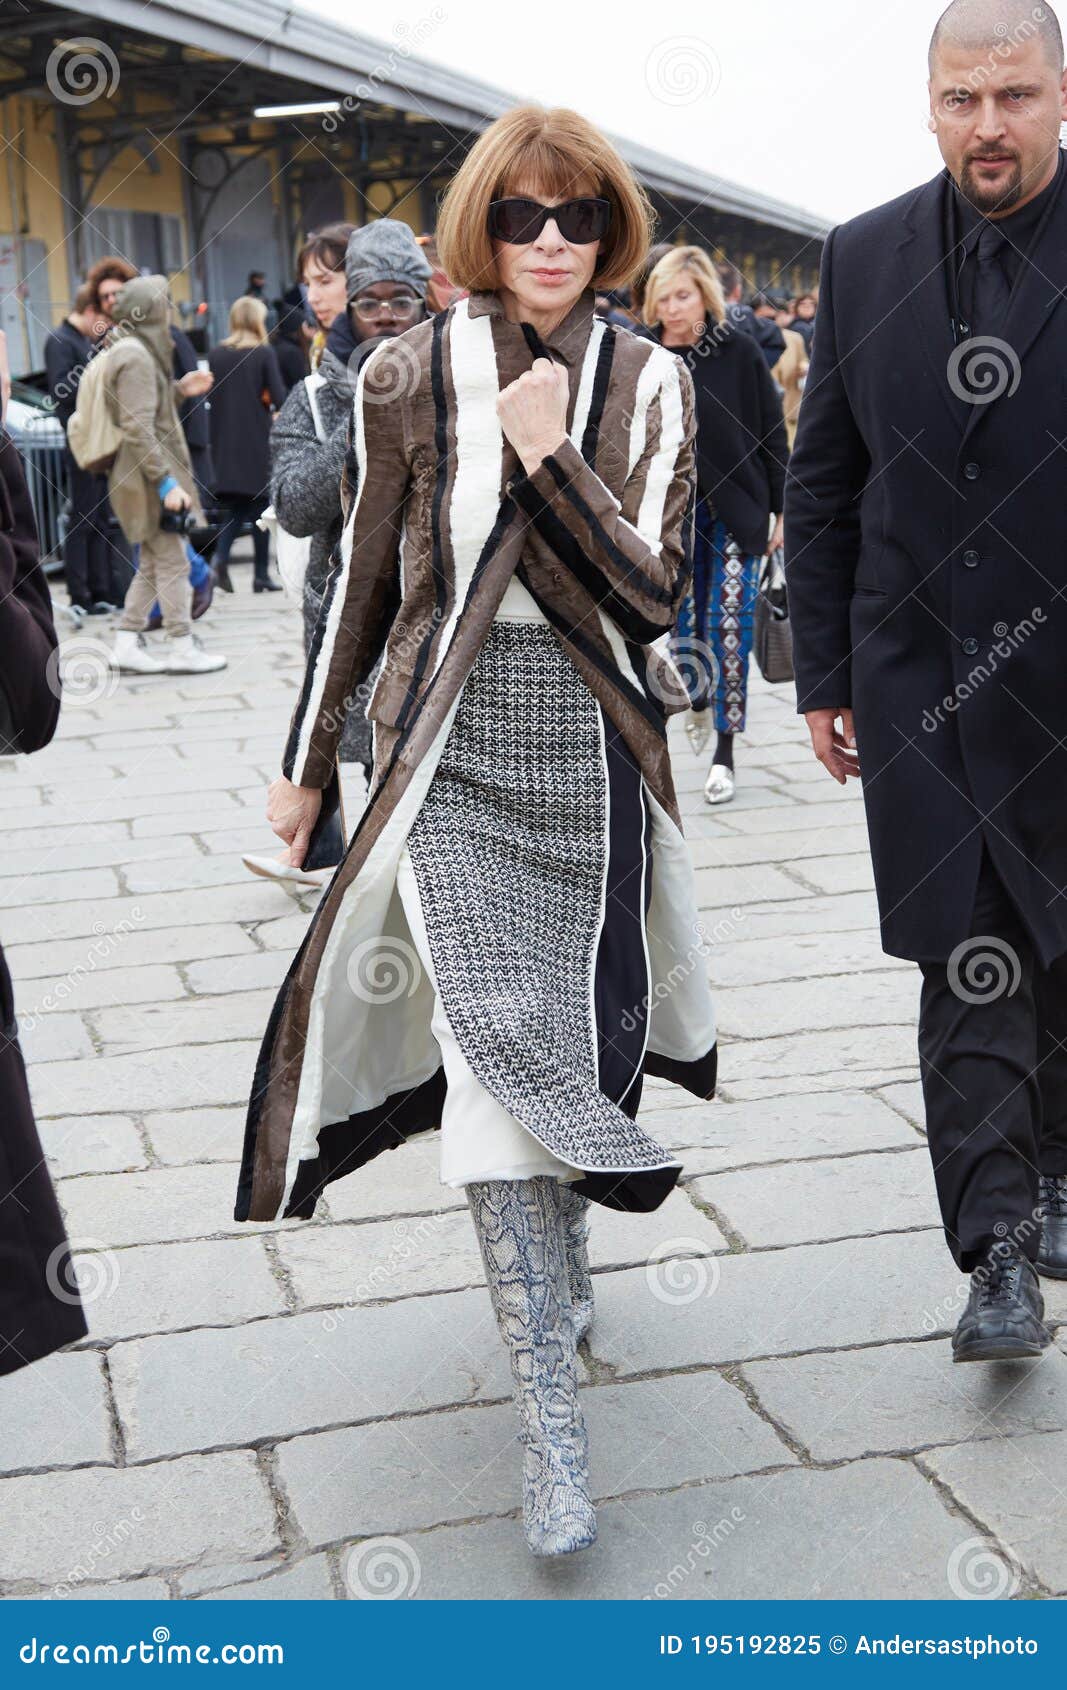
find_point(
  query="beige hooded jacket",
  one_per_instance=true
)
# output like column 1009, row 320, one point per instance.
column 144, row 399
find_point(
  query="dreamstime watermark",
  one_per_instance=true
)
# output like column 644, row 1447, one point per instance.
column 705, row 1539
column 80, row 669
column 410, row 1238
column 688, row 669
column 383, row 970
column 382, row 1569
column 983, row 368
column 674, row 1278
column 81, row 70
column 681, row 70
column 392, row 372
column 1007, row 642
column 413, row 37
column 103, row 945
column 105, row 1540
column 90, row 1276
column 983, row 969
column 681, row 971
column 979, row 1570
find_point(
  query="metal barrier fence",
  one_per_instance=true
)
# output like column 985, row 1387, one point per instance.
column 44, row 458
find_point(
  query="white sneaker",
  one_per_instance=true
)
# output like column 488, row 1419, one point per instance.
column 187, row 656
column 131, row 655
column 719, row 786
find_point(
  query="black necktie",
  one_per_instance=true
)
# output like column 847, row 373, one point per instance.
column 992, row 289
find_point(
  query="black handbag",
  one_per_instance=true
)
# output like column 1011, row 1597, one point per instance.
column 772, row 639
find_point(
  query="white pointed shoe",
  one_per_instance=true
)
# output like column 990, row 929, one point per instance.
column 186, row 656
column 131, row 655
column 272, row 868
column 719, row 786
column 698, row 729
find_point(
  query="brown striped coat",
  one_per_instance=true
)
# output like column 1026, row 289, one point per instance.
column 438, row 516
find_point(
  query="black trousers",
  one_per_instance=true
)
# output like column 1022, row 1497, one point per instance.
column 993, row 1058
column 96, row 556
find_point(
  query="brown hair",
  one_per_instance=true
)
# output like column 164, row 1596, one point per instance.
column 327, row 246
column 556, row 153
column 108, row 270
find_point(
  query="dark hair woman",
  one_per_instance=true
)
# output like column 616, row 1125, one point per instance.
column 320, row 266
column 518, row 538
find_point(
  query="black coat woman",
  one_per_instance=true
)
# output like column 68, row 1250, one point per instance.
column 248, row 390
column 741, row 459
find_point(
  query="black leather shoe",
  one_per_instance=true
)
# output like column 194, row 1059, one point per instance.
column 264, row 584
column 1004, row 1317
column 203, row 595
column 222, row 576
column 1052, row 1208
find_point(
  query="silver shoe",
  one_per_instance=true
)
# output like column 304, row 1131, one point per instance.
column 576, row 1240
column 519, row 1226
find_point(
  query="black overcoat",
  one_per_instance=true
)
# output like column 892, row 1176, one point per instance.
column 926, row 560
column 40, row 1305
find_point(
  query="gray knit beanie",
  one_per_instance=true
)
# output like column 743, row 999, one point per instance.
column 385, row 251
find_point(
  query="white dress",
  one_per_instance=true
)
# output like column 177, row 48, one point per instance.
column 480, row 1140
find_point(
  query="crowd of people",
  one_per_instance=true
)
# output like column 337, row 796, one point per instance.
column 264, row 426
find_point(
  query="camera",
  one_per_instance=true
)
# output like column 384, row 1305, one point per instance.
column 178, row 522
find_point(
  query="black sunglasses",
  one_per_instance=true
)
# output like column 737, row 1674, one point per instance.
column 520, row 221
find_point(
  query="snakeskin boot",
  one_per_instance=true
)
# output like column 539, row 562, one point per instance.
column 575, row 1237
column 519, row 1226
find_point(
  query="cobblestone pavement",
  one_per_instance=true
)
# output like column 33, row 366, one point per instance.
column 772, row 1407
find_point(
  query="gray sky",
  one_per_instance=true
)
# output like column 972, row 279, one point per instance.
column 819, row 102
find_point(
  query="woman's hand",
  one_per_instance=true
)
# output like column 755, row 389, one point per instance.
column 292, row 812
column 533, row 411
column 778, row 535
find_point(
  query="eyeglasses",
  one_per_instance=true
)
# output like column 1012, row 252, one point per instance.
column 401, row 305
column 520, row 221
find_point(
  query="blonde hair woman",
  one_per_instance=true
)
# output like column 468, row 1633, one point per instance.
column 741, row 455
column 248, row 390
column 531, row 469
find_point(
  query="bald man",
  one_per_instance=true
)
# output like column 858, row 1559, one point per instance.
column 927, row 578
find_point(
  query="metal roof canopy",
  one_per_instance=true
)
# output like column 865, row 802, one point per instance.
column 322, row 55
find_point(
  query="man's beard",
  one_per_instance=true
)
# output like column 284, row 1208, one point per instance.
column 984, row 196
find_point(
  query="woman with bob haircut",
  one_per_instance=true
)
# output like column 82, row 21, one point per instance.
column 741, row 452
column 511, row 940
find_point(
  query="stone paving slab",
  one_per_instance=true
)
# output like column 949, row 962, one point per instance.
column 121, row 1031
column 196, row 1135
column 716, row 1136
column 834, row 1000
column 200, row 1389
column 55, row 1414
column 217, row 1073
column 774, row 1302
column 168, row 1287
column 906, row 1396
column 433, row 1468
column 158, row 1205
column 94, row 1144
column 843, row 1197
column 871, row 1530
column 1014, row 1486
column 106, row 1521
